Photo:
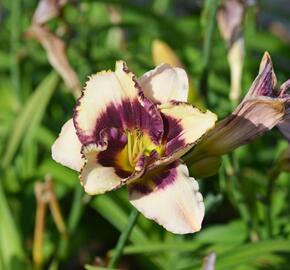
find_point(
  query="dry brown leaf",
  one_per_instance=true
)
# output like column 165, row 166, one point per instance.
column 46, row 10
column 230, row 17
column 56, row 53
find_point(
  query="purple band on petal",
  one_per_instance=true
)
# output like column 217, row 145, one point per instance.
column 265, row 82
column 155, row 180
column 124, row 112
column 128, row 115
column 166, row 176
column 116, row 141
column 264, row 86
column 141, row 163
column 140, row 187
column 121, row 173
column 153, row 121
column 172, row 130
column 284, row 90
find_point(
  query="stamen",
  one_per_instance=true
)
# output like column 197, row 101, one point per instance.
column 135, row 146
column 130, row 148
column 141, row 147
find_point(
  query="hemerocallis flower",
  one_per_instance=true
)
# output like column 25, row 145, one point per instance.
column 264, row 107
column 133, row 132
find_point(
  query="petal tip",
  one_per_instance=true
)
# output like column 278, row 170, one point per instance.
column 266, row 60
column 120, row 65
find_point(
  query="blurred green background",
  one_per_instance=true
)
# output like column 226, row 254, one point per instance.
column 35, row 102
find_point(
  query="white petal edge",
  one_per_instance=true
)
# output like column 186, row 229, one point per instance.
column 165, row 83
column 66, row 150
column 178, row 207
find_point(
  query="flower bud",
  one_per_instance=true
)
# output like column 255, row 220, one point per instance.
column 264, row 107
column 205, row 167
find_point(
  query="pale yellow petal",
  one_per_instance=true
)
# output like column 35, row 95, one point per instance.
column 67, row 147
column 165, row 83
column 171, row 199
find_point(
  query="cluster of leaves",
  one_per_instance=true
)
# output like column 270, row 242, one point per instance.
column 35, row 103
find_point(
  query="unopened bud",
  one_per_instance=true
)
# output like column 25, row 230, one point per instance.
column 205, row 167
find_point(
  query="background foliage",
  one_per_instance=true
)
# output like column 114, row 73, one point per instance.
column 35, row 103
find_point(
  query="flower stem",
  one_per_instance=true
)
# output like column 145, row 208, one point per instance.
column 270, row 186
column 123, row 238
column 208, row 21
column 75, row 215
column 55, row 208
column 41, row 200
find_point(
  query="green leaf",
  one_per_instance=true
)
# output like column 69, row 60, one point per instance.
column 234, row 232
column 112, row 212
column 90, row 267
column 248, row 253
column 163, row 247
column 30, row 116
column 11, row 252
column 59, row 173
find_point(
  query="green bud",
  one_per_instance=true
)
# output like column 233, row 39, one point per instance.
column 205, row 167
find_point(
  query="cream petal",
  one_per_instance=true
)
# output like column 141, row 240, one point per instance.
column 98, row 179
column 185, row 123
column 106, row 168
column 165, row 83
column 114, row 99
column 184, row 126
column 67, row 148
column 171, row 198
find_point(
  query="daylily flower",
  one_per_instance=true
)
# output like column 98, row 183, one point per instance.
column 133, row 132
column 264, row 107
column 53, row 45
